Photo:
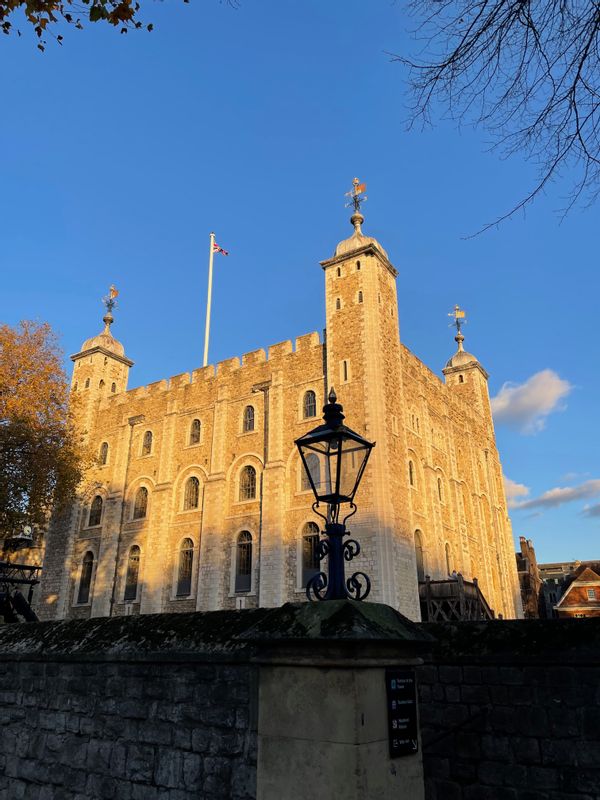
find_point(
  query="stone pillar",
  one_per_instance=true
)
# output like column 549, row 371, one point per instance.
column 322, row 708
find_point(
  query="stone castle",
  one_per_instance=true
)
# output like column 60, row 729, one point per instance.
column 198, row 500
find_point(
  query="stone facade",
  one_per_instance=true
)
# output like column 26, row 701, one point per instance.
column 431, row 500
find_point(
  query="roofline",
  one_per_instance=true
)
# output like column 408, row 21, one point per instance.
column 369, row 249
column 468, row 365
column 103, row 350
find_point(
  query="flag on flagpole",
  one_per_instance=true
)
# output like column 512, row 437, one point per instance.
column 113, row 292
column 459, row 314
column 217, row 249
column 360, row 188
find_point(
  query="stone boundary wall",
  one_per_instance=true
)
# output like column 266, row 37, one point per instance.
column 509, row 711
column 164, row 707
column 161, row 707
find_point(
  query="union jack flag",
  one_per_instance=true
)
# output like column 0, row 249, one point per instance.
column 217, row 249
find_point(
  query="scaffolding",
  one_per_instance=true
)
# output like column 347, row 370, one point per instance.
column 13, row 603
column 452, row 599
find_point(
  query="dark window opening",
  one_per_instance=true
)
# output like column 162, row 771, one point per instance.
column 310, row 404
column 243, row 562
column 248, row 483
column 248, row 423
column 140, row 506
column 95, row 511
column 184, row 573
column 192, row 494
column 310, row 549
column 195, row 430
column 85, row 579
column 133, row 571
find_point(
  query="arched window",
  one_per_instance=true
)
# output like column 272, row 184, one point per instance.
column 147, row 443
column 95, row 511
column 101, row 384
column 411, row 473
column 184, row 570
column 87, row 383
column 461, row 379
column 440, row 492
column 314, row 467
column 339, row 272
column 448, row 559
column 310, row 558
column 243, row 562
column 133, row 573
column 75, row 386
column 113, row 387
column 248, row 421
column 358, row 265
column 419, row 556
column 248, row 483
column 192, row 493
column 85, row 578
column 338, row 303
column 360, row 297
column 103, row 453
column 140, row 506
column 195, row 429
column 309, row 405
column 344, row 370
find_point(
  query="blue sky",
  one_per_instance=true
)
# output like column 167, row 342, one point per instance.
column 122, row 152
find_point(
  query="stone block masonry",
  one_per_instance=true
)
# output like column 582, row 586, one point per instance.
column 509, row 711
column 163, row 710
column 167, row 706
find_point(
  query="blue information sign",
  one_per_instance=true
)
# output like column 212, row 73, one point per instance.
column 402, row 711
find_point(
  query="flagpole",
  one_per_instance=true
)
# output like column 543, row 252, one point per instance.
column 209, row 297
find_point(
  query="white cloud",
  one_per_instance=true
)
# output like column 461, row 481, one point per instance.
column 564, row 494
column 525, row 406
column 513, row 491
column 592, row 511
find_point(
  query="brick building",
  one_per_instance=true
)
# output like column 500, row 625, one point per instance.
column 582, row 596
column 198, row 501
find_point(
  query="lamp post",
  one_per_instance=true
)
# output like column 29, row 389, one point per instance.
column 334, row 458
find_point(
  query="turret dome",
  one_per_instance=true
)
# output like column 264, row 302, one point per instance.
column 358, row 239
column 105, row 339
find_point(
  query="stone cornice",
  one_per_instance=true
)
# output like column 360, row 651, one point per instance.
column 367, row 249
column 103, row 350
column 470, row 365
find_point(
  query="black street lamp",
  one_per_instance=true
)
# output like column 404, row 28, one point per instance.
column 334, row 458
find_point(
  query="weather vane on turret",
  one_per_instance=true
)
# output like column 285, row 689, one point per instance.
column 358, row 189
column 458, row 320
column 110, row 301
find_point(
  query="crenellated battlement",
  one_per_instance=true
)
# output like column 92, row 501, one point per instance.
column 237, row 365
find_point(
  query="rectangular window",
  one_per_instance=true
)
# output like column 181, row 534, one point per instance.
column 591, row 594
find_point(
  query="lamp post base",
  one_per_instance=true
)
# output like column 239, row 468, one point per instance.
column 334, row 585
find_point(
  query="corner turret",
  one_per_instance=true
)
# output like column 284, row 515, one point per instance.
column 101, row 368
column 464, row 371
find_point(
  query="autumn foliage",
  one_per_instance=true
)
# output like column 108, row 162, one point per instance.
column 44, row 14
column 41, row 457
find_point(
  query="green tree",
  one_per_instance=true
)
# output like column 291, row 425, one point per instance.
column 41, row 454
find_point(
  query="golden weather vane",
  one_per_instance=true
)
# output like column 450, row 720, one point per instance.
column 458, row 318
column 358, row 189
column 110, row 300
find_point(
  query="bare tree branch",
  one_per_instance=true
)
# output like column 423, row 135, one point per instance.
column 528, row 71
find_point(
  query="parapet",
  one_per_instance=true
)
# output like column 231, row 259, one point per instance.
column 254, row 357
column 280, row 350
column 227, row 366
column 308, row 341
